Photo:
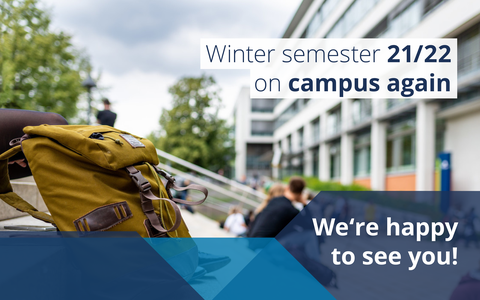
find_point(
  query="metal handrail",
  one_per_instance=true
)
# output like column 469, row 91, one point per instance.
column 210, row 185
column 210, row 174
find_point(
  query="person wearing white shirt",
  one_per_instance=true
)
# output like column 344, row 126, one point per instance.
column 235, row 222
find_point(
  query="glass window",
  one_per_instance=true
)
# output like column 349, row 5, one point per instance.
column 440, row 128
column 401, row 145
column 316, row 130
column 259, row 156
column 361, row 110
column 334, row 121
column 263, row 105
column 335, row 161
column 323, row 12
column 401, row 20
column 291, row 111
column 392, row 103
column 300, row 138
column 404, row 21
column 361, row 156
column 288, row 169
column 296, row 166
column 408, row 150
column 469, row 51
column 378, row 29
column 289, row 143
column 315, row 156
column 462, row 97
column 429, row 5
column 262, row 128
column 351, row 17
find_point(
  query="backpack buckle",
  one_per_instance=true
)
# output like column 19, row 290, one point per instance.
column 166, row 175
column 140, row 181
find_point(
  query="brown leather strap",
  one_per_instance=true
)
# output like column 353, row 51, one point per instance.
column 171, row 185
column 151, row 231
column 196, row 187
column 146, row 198
column 147, row 206
column 104, row 217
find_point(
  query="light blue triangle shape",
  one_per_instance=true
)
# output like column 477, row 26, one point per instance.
column 181, row 254
column 274, row 274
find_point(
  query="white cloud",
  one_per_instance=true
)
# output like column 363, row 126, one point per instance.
column 143, row 47
column 138, row 98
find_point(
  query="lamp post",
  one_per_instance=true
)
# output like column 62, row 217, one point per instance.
column 88, row 83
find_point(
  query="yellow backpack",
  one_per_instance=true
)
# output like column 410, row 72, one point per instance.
column 97, row 178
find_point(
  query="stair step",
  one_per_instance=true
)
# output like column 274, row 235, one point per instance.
column 28, row 191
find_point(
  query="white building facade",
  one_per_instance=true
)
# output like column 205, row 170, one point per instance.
column 254, row 126
column 384, row 144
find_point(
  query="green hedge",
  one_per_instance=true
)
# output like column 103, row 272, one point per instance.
column 315, row 184
column 396, row 202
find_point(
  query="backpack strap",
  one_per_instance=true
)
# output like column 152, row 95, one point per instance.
column 171, row 185
column 10, row 152
column 11, row 198
column 196, row 187
column 146, row 199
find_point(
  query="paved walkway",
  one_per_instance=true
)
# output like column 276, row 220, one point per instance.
column 201, row 226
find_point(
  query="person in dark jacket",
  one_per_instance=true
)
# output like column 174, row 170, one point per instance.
column 106, row 116
column 279, row 211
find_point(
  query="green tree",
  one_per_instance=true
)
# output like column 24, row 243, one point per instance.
column 39, row 68
column 192, row 129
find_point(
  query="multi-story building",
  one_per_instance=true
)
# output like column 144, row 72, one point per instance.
column 254, row 126
column 385, row 144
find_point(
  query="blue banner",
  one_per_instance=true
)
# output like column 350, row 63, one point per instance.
column 383, row 245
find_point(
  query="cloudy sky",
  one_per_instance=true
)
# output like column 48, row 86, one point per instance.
column 142, row 47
